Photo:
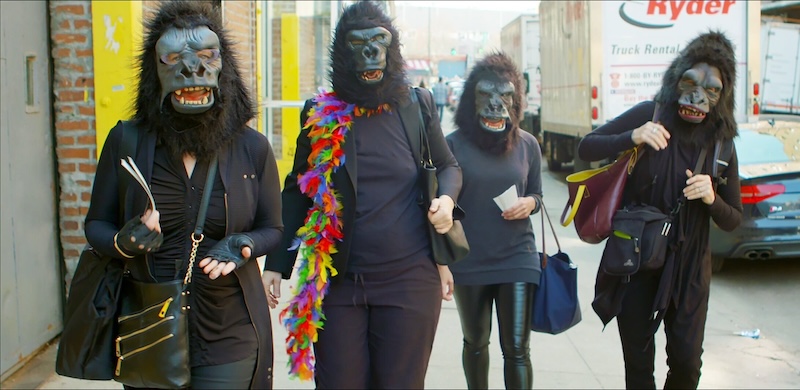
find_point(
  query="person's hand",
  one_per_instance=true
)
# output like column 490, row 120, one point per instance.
column 447, row 282
column 521, row 209
column 228, row 254
column 652, row 134
column 272, row 286
column 140, row 235
column 440, row 213
column 699, row 187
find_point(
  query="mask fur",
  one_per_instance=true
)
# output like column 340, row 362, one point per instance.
column 495, row 67
column 393, row 89
column 200, row 135
column 716, row 50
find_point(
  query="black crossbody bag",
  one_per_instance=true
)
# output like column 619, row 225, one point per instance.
column 640, row 236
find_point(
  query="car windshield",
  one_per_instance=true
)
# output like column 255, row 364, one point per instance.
column 765, row 146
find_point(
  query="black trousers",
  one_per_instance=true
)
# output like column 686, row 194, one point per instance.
column 513, row 302
column 379, row 329
column 236, row 375
column 684, row 326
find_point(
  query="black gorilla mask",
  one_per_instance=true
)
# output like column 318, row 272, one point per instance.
column 369, row 48
column 700, row 88
column 189, row 64
column 492, row 99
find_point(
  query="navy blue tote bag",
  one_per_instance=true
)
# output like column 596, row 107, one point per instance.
column 555, row 305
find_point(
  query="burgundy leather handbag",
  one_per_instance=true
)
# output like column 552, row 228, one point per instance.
column 595, row 195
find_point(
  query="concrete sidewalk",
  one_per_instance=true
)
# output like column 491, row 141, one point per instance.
column 584, row 357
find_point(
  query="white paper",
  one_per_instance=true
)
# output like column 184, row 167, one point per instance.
column 507, row 198
column 131, row 167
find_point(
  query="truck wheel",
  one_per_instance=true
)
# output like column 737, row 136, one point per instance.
column 553, row 164
column 716, row 264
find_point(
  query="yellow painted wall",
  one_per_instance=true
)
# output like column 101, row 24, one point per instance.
column 116, row 35
column 290, row 89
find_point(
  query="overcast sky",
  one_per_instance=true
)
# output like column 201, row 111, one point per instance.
column 517, row 6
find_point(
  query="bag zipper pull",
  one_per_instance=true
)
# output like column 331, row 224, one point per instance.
column 636, row 244
column 119, row 366
column 164, row 308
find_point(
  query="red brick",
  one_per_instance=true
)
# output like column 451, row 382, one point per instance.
column 84, row 183
column 73, row 67
column 86, row 196
column 73, row 153
column 71, row 253
column 69, row 38
column 65, row 24
column 70, row 225
column 70, row 96
column 84, row 82
column 72, row 125
column 66, row 167
column 87, row 168
column 70, row 9
column 71, row 211
column 86, row 110
column 66, row 140
column 64, row 109
column 87, row 140
column 82, row 23
column 75, row 239
column 69, row 197
column 83, row 53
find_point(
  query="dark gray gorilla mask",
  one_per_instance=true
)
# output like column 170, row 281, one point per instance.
column 369, row 48
column 492, row 99
column 189, row 65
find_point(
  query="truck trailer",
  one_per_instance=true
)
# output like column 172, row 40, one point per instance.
column 519, row 39
column 599, row 58
column 780, row 67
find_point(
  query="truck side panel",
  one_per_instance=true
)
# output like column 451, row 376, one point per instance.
column 780, row 68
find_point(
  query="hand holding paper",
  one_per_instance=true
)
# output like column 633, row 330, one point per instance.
column 131, row 167
column 507, row 198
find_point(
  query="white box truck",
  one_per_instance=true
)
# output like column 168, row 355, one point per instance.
column 600, row 58
column 520, row 40
column 780, row 67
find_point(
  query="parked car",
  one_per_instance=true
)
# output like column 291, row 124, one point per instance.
column 769, row 168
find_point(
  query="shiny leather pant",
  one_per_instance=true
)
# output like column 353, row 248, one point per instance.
column 513, row 301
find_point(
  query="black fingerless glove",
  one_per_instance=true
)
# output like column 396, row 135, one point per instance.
column 136, row 239
column 230, row 249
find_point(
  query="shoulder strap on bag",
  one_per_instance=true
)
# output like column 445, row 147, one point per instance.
column 424, row 155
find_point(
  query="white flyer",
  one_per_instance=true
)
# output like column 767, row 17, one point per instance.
column 507, row 198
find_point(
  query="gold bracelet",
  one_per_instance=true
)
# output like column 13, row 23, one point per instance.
column 120, row 250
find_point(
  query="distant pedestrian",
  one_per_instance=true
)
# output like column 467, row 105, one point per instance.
column 422, row 84
column 440, row 96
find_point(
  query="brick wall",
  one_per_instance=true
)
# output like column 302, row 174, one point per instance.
column 73, row 111
column 74, row 104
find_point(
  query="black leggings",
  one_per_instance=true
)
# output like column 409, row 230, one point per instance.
column 513, row 302
column 236, row 375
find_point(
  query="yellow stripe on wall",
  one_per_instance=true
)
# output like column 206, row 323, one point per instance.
column 116, row 38
column 290, row 89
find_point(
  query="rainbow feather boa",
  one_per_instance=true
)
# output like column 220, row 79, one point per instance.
column 329, row 120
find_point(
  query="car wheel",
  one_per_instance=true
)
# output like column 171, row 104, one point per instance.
column 717, row 263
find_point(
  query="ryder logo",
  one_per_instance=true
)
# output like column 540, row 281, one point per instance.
column 655, row 14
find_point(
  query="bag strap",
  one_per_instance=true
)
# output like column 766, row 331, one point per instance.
column 701, row 160
column 552, row 229
column 197, row 235
column 425, row 152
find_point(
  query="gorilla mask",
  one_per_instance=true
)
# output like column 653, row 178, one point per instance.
column 492, row 99
column 369, row 47
column 189, row 64
column 700, row 89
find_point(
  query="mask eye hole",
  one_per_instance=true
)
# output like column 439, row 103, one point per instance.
column 207, row 55
column 171, row 58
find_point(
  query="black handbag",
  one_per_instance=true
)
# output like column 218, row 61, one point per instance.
column 152, row 346
column 555, row 306
column 86, row 349
column 451, row 247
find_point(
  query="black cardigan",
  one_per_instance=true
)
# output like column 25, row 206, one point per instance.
column 252, row 209
column 296, row 204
